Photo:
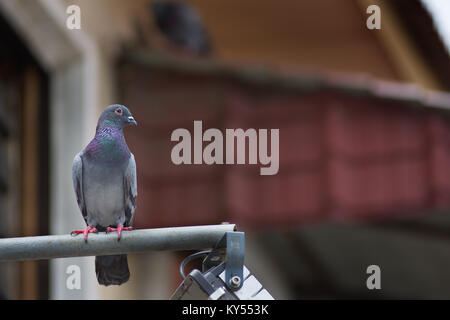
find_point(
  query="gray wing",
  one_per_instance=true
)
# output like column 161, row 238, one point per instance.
column 77, row 178
column 130, row 190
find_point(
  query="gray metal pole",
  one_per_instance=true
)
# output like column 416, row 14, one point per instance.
column 141, row 240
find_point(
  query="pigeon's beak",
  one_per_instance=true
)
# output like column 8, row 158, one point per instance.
column 132, row 121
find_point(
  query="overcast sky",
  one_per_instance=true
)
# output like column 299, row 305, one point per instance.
column 440, row 10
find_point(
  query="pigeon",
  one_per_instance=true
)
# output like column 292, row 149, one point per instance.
column 104, row 179
column 182, row 26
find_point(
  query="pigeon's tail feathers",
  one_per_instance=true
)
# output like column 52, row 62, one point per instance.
column 112, row 270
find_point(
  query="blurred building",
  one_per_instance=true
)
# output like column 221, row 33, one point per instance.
column 364, row 138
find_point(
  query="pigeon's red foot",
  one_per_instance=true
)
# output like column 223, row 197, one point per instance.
column 85, row 231
column 119, row 230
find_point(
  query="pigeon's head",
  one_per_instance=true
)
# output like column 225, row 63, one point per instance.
column 116, row 116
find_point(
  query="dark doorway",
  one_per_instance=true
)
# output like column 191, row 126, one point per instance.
column 24, row 161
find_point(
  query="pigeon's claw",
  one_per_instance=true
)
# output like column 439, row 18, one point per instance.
column 85, row 232
column 119, row 230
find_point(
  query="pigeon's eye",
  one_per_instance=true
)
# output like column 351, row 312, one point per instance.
column 118, row 111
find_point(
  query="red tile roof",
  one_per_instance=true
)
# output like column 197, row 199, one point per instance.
column 351, row 147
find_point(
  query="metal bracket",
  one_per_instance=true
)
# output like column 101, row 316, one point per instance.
column 230, row 248
column 234, row 265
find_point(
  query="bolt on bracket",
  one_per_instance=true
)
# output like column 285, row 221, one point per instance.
column 230, row 248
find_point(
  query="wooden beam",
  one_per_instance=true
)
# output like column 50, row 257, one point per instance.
column 30, row 176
